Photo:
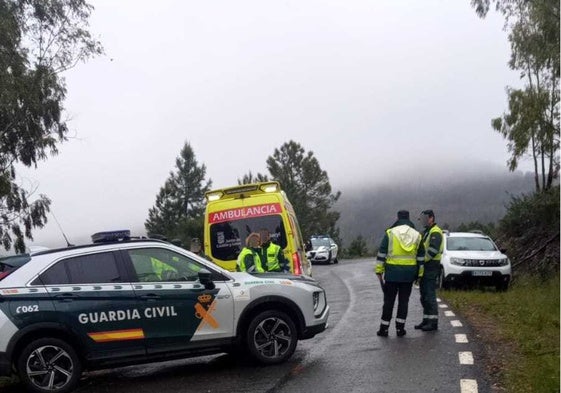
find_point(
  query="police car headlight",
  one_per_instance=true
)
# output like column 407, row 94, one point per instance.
column 457, row 261
column 319, row 302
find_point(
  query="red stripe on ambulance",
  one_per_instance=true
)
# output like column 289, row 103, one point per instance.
column 245, row 212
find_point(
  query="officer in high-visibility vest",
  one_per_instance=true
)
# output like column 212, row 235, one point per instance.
column 271, row 254
column 164, row 271
column 433, row 244
column 248, row 259
column 399, row 264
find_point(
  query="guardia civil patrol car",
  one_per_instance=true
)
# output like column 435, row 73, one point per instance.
column 122, row 301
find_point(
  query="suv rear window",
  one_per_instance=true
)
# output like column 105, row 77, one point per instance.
column 12, row 263
column 227, row 238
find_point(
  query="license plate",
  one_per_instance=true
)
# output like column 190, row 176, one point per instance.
column 481, row 273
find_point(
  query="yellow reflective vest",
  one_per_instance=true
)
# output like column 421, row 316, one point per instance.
column 402, row 262
column 272, row 262
column 249, row 261
column 429, row 249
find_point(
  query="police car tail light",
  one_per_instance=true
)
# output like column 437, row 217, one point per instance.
column 297, row 264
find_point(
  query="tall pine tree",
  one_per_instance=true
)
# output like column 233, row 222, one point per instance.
column 308, row 188
column 179, row 209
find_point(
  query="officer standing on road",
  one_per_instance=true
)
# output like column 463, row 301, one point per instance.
column 399, row 263
column 272, row 257
column 248, row 259
column 433, row 244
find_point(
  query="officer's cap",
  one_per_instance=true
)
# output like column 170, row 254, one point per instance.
column 403, row 215
column 428, row 212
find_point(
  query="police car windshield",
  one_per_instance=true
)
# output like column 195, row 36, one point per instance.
column 470, row 244
column 318, row 242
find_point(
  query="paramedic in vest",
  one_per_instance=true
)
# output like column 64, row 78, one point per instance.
column 248, row 259
column 433, row 245
column 272, row 257
column 399, row 264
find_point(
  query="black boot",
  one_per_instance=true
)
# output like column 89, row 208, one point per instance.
column 430, row 326
column 420, row 326
column 383, row 332
column 400, row 329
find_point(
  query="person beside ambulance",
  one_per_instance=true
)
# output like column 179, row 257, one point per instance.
column 271, row 254
column 249, row 259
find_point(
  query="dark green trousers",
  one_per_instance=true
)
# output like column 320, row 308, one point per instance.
column 427, row 287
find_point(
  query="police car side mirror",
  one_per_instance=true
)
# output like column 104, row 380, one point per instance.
column 205, row 278
column 503, row 250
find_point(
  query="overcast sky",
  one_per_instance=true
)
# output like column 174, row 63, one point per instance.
column 376, row 89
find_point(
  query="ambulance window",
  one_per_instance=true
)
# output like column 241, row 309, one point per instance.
column 228, row 238
column 158, row 264
column 85, row 269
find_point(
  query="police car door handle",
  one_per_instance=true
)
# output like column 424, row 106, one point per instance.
column 66, row 297
column 150, row 296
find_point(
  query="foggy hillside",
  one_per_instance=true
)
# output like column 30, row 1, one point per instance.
column 473, row 194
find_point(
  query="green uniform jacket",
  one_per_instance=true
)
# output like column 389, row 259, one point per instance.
column 432, row 241
column 272, row 258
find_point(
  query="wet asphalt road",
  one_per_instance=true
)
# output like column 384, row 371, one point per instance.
column 348, row 357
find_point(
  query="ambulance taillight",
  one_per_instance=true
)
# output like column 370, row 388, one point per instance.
column 297, row 264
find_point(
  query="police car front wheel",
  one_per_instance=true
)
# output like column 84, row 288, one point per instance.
column 271, row 337
column 49, row 365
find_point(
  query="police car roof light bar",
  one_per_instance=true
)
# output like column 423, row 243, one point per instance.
column 111, row 236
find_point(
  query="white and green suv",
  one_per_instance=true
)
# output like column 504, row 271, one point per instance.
column 121, row 301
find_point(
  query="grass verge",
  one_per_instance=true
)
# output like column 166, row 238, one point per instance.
column 520, row 332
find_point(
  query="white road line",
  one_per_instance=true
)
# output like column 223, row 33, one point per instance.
column 468, row 386
column 442, row 306
column 461, row 338
column 456, row 323
column 438, row 300
column 449, row 313
column 465, row 357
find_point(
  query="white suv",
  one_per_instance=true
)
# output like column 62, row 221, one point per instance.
column 473, row 257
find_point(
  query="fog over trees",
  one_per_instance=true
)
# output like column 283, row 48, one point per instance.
column 478, row 194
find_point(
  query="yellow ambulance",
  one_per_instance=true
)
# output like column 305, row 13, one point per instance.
column 235, row 212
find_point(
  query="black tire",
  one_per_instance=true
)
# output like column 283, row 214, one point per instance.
column 335, row 260
column 271, row 337
column 49, row 365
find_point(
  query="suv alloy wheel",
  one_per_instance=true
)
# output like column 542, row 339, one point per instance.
column 271, row 337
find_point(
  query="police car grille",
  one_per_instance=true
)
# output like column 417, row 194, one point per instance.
column 482, row 262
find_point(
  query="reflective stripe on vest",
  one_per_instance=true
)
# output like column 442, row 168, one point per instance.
column 437, row 257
